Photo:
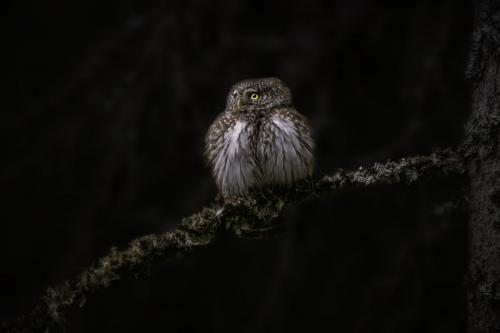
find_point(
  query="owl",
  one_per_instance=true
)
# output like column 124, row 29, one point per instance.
column 259, row 139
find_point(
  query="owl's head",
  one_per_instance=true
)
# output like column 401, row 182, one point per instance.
column 258, row 94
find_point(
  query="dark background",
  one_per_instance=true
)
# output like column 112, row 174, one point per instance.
column 102, row 141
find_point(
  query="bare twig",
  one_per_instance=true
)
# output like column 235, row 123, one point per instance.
column 255, row 213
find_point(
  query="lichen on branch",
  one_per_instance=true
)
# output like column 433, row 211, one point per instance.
column 246, row 216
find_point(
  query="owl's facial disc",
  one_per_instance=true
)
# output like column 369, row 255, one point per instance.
column 258, row 94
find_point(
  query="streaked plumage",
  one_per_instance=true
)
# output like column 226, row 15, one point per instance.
column 259, row 139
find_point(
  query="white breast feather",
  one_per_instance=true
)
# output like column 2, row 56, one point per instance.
column 234, row 166
column 286, row 159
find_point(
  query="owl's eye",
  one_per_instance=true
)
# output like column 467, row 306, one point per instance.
column 254, row 96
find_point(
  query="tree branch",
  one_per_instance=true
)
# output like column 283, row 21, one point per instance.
column 247, row 216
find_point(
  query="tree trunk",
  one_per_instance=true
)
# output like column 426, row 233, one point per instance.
column 482, row 148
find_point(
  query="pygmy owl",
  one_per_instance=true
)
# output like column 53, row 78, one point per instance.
column 259, row 139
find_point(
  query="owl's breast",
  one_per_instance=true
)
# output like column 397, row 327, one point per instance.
column 285, row 147
column 232, row 157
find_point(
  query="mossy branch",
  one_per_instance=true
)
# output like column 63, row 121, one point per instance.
column 246, row 216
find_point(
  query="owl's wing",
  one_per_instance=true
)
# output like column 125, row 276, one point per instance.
column 215, row 136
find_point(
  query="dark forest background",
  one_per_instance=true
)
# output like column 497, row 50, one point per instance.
column 102, row 141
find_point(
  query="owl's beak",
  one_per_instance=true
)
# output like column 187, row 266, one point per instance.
column 238, row 103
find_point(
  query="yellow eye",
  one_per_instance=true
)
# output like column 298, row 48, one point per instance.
column 254, row 96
